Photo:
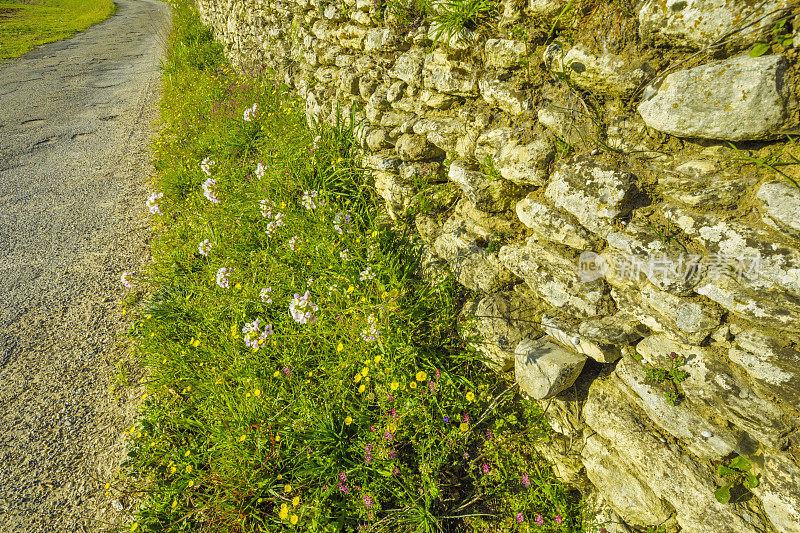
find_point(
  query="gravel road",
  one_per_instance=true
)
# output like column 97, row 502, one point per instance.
column 75, row 118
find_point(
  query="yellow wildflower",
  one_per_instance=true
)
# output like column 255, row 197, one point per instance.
column 464, row 426
column 361, row 388
column 421, row 376
column 295, row 501
column 394, row 385
column 348, row 420
column 294, row 519
column 470, row 396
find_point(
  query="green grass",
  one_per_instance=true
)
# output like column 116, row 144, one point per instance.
column 374, row 416
column 25, row 25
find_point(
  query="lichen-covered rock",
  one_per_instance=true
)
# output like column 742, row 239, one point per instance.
column 571, row 125
column 525, row 164
column 377, row 139
column 604, row 73
column 504, row 53
column 472, row 265
column 384, row 40
column 623, row 489
column 713, row 387
column 395, row 192
column 594, row 193
column 412, row 147
column 502, row 320
column 543, row 368
column 738, row 99
column 351, row 36
column 778, row 491
column 671, row 473
column 565, row 330
column 382, row 161
column 714, row 190
column 485, row 193
column 436, row 100
column 772, row 363
column 504, row 95
column 699, row 23
column 552, row 224
column 692, row 320
column 488, row 226
column 554, row 278
column 780, row 201
column 443, row 132
column 702, row 437
column 546, row 9
column 620, row 329
column 448, row 76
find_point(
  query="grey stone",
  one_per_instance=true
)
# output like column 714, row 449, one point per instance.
column 383, row 40
column 393, row 119
column 737, row 99
column 334, row 13
column 712, row 386
column 384, row 162
column 772, row 363
column 450, row 77
column 671, row 473
column 619, row 329
column 594, row 193
column 552, row 224
column 503, row 319
column 546, row 9
column 395, row 91
column 412, row 147
column 484, row 224
column 714, row 190
column 565, row 330
column 377, row 139
column 702, row 437
column 485, row 193
column 504, row 95
column 699, row 23
column 443, row 132
column 603, row 73
column 571, row 125
column 366, row 86
column 694, row 319
column 377, row 104
column 437, row 100
column 631, row 497
column 504, row 53
column 525, row 164
column 351, row 35
column 778, row 492
column 554, row 278
column 543, row 369
column 395, row 192
column 472, row 265
column 780, row 201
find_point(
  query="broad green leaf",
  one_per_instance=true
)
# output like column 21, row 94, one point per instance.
column 723, row 494
column 741, row 463
column 759, row 49
column 751, row 482
column 725, row 471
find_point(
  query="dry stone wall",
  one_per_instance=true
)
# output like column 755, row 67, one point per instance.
column 587, row 189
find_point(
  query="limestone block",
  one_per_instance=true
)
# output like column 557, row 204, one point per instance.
column 408, row 67
column 412, row 147
column 504, row 53
column 773, row 363
column 570, row 124
column 504, row 96
column 780, row 201
column 437, row 100
column 552, row 224
column 485, row 193
column 695, row 320
column 737, row 99
column 619, row 329
column 594, row 193
column 503, row 319
column 543, row 368
column 701, row 436
column 698, row 23
column 712, row 386
column 603, row 73
column 484, row 224
column 714, row 190
column 396, row 193
column 443, row 132
column 565, row 330
column 383, row 162
column 451, row 77
column 525, row 164
column 631, row 497
column 554, row 278
column 671, row 473
column 778, row 492
column 546, row 9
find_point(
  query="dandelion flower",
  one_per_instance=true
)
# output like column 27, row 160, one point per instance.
column 421, row 376
column 284, row 512
column 412, row 385
column 361, row 388
column 126, row 279
column 287, row 488
column 470, row 396
column 394, row 385
column 339, row 347
column 295, row 501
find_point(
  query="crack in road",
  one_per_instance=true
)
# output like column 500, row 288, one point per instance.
column 74, row 161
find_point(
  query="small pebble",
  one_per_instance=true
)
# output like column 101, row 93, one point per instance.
column 707, row 434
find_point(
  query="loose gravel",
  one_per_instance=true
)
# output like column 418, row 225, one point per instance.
column 75, row 119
